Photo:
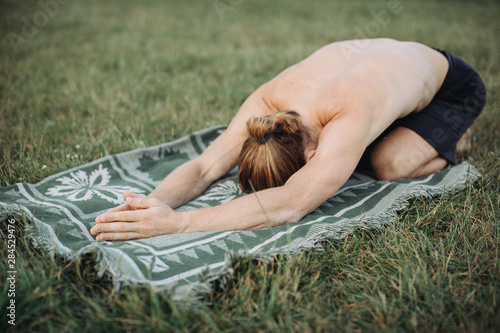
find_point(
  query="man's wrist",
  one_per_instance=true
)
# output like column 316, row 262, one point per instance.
column 182, row 221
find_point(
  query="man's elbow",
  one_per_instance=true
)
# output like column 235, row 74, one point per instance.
column 295, row 210
column 290, row 215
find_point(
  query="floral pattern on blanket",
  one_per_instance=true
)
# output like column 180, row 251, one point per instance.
column 81, row 186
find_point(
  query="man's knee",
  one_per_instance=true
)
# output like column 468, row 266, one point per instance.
column 400, row 154
column 388, row 167
column 389, row 164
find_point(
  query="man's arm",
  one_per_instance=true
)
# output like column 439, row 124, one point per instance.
column 340, row 147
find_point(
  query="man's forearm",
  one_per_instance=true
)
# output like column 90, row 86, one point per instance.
column 182, row 185
column 268, row 208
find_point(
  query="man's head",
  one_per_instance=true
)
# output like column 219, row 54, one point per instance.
column 273, row 152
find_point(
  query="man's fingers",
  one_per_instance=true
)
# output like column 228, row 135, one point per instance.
column 121, row 216
column 118, row 236
column 128, row 194
column 141, row 203
column 122, row 207
column 116, row 227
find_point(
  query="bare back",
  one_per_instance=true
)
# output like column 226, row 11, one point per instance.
column 388, row 78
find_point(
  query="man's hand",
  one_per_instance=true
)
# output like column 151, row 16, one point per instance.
column 139, row 217
column 123, row 207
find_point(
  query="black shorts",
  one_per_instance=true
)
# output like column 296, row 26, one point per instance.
column 451, row 112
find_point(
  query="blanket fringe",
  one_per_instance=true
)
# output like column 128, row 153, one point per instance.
column 206, row 279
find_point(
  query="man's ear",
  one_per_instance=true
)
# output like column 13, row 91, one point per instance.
column 310, row 154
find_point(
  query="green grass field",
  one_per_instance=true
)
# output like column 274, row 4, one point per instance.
column 82, row 80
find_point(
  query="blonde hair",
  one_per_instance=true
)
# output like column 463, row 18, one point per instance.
column 273, row 152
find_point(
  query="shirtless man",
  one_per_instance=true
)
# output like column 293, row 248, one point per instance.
column 401, row 106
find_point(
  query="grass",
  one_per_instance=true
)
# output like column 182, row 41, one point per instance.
column 101, row 77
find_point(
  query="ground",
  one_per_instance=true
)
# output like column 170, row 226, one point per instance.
column 80, row 80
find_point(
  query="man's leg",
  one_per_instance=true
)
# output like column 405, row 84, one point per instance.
column 403, row 153
column 464, row 145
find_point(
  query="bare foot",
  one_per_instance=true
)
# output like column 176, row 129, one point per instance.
column 464, row 144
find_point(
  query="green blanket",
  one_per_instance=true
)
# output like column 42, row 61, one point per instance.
column 62, row 209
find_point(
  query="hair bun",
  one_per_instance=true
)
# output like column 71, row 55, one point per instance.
column 273, row 152
column 282, row 122
column 286, row 121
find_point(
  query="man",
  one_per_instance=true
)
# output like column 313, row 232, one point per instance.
column 401, row 106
